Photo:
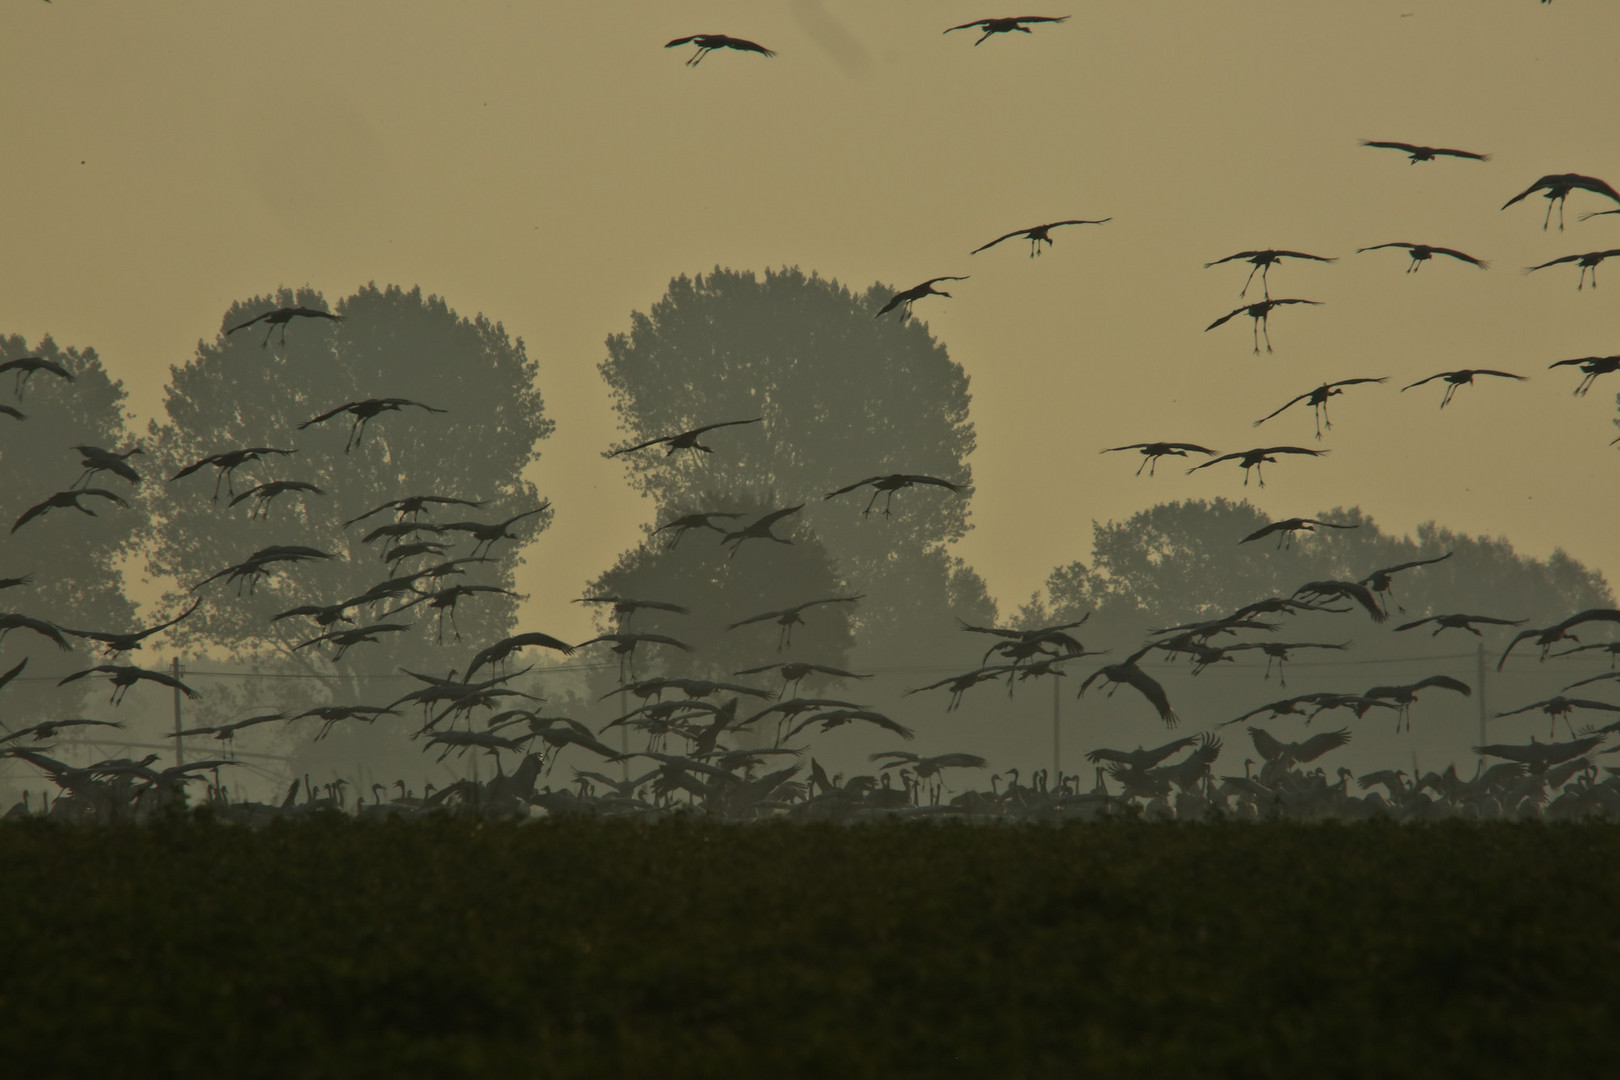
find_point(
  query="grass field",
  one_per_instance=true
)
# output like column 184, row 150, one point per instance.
column 452, row 947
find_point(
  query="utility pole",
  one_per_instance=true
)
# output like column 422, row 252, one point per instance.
column 1479, row 678
column 1057, row 758
column 179, row 744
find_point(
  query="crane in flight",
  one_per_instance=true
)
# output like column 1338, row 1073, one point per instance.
column 1348, row 590
column 961, row 684
column 1557, row 186
column 839, row 717
column 758, row 530
column 1382, row 585
column 281, row 317
column 1459, row 622
column 116, row 643
column 345, row 639
column 906, row 297
column 707, row 43
column 414, row 505
column 1591, row 368
column 1261, row 314
column 258, row 565
column 486, row 534
column 1560, row 706
column 95, row 459
column 686, row 440
column 27, row 366
column 1126, row 672
column 788, row 618
column 1405, row 696
column 797, row 671
column 498, row 652
column 1253, row 459
column 64, row 499
column 1319, row 401
column 265, row 492
column 687, row 522
column 48, row 729
column 1464, row 377
column 227, row 462
column 1548, row 636
column 1153, row 451
column 892, row 483
column 1286, row 529
column 12, row 620
column 124, row 676
column 625, row 608
column 1422, row 253
column 1007, row 26
column 1039, row 234
column 1539, row 756
column 1588, row 261
column 363, row 413
column 1263, row 261
column 625, row 645
column 1424, row 153
column 14, row 413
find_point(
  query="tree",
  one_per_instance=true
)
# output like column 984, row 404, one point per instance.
column 237, row 392
column 71, row 561
column 842, row 397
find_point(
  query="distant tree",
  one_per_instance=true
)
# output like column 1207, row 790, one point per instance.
column 237, row 392
column 71, row 561
column 843, row 398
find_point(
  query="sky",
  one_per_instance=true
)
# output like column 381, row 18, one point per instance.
column 553, row 167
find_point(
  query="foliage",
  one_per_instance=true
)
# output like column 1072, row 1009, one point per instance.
column 74, row 560
column 842, row 397
column 1125, row 950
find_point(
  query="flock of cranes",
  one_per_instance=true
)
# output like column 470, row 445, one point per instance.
column 730, row 767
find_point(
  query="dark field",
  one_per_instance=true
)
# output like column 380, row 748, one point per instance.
column 450, row 947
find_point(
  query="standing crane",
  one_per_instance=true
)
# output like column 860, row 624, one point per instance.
column 1260, row 313
column 1039, row 234
column 1557, row 186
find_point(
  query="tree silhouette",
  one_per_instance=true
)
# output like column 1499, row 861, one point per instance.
column 391, row 343
column 71, row 560
column 843, row 397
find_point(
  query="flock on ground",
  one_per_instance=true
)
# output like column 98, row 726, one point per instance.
column 751, row 762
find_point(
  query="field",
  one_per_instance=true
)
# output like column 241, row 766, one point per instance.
column 453, row 947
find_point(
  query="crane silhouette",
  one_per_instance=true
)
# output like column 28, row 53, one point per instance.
column 624, row 607
column 797, row 671
column 116, row 643
column 1591, row 368
column 1557, row 186
column 892, row 483
column 1253, row 459
column 1539, row 756
column 1261, row 314
column 1319, row 401
column 1560, row 706
column 1548, row 636
column 48, row 729
column 12, row 620
column 961, row 684
column 1459, row 622
column 227, row 462
column 758, row 530
column 1381, row 583
column 64, row 499
column 414, row 505
column 27, row 366
column 1038, row 234
column 1422, row 253
column 687, row 522
column 906, row 297
column 15, row 414
column 707, row 43
column 1588, row 261
column 498, row 652
column 348, row 638
column 1286, row 529
column 1424, row 153
column 486, row 534
column 259, row 564
column 1153, row 451
column 363, row 413
column 1348, row 590
column 1263, row 261
column 1127, row 673
column 1405, row 696
column 281, row 317
column 788, row 618
column 1007, row 26
column 1463, row 377
column 265, row 492
column 95, row 460
column 124, row 676
column 686, row 440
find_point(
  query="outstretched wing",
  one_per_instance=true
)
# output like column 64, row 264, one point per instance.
column 1296, row 401
column 999, row 239
column 1455, row 254
column 328, row 414
column 856, row 484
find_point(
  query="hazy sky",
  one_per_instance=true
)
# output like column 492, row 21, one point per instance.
column 552, row 166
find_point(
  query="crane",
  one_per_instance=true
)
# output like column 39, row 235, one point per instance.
column 1557, row 706
column 1591, row 368
column 257, row 565
column 1127, row 673
column 364, row 412
column 64, row 499
column 687, row 522
column 1405, row 696
column 892, row 483
column 95, row 459
column 498, row 652
column 358, row 635
column 686, row 440
column 414, row 505
column 227, row 462
column 758, row 530
column 788, row 618
column 1253, row 459
column 1286, row 529
column 1422, row 253
column 27, row 366
column 1153, row 451
column 1548, row 636
column 1319, row 401
column 281, row 317
column 795, row 672
column 1463, row 377
column 1557, row 186
column 707, row 43
column 486, row 534
column 1588, row 261
column 116, row 643
column 1263, row 260
column 1381, row 584
column 124, row 676
column 1039, row 234
column 265, row 492
column 1007, row 25
column 1260, row 313
column 906, row 297
column 1424, row 153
